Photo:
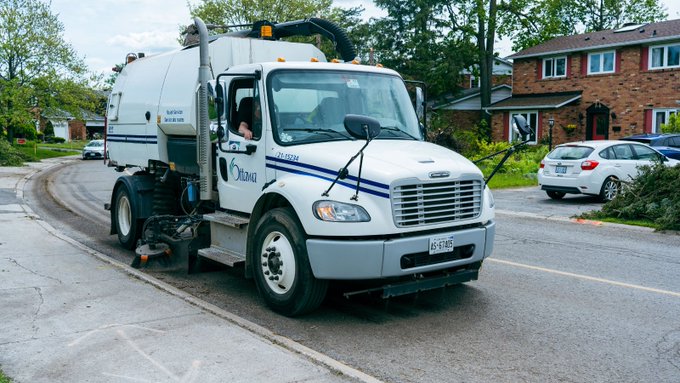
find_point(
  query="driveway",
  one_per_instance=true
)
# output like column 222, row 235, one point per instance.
column 534, row 201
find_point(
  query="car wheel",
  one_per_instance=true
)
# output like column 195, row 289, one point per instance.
column 610, row 189
column 281, row 267
column 555, row 194
column 127, row 223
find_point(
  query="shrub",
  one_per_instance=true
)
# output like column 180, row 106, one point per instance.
column 9, row 156
column 673, row 125
column 654, row 195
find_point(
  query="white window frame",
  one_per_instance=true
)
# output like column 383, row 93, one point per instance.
column 553, row 66
column 526, row 114
column 475, row 82
column 601, row 69
column 664, row 57
column 656, row 128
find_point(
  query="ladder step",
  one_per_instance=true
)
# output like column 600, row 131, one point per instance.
column 226, row 219
column 222, row 256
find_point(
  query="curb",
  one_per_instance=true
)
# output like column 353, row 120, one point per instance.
column 278, row 340
column 580, row 221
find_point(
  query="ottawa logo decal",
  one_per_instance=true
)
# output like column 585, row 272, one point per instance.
column 241, row 175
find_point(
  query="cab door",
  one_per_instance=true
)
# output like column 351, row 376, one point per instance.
column 241, row 162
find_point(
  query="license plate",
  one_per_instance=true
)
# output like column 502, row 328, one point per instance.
column 441, row 244
column 561, row 169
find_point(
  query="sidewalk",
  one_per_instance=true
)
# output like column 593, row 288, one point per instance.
column 69, row 314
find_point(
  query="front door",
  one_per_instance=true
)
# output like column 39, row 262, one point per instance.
column 600, row 126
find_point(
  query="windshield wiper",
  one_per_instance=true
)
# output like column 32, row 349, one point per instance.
column 396, row 129
column 317, row 130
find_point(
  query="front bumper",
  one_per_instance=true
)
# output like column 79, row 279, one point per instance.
column 374, row 259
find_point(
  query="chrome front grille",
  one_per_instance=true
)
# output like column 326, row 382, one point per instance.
column 416, row 204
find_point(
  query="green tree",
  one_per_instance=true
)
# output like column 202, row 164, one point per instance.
column 532, row 22
column 426, row 40
column 236, row 12
column 39, row 71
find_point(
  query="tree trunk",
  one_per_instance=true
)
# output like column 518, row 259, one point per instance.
column 486, row 33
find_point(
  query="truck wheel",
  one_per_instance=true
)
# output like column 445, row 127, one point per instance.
column 281, row 267
column 127, row 223
column 610, row 188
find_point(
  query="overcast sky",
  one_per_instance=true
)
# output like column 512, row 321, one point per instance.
column 105, row 31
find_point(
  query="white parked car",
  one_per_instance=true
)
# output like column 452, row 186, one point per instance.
column 594, row 167
column 94, row 149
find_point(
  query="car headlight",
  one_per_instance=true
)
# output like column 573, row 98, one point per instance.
column 492, row 202
column 334, row 211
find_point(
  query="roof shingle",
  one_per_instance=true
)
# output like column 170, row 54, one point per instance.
column 644, row 34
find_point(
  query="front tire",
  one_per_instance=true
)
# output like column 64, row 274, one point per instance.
column 555, row 195
column 610, row 189
column 280, row 265
column 128, row 225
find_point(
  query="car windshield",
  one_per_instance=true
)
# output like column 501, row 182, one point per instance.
column 570, row 152
column 95, row 143
column 310, row 106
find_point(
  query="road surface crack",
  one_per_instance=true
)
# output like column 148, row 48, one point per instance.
column 33, row 271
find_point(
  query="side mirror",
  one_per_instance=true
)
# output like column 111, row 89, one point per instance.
column 420, row 103
column 219, row 99
column 362, row 127
column 520, row 123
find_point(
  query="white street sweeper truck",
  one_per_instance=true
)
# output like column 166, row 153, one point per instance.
column 248, row 150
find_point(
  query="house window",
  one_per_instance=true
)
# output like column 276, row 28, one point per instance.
column 475, row 82
column 601, row 62
column 555, row 67
column 532, row 119
column 666, row 56
column 660, row 116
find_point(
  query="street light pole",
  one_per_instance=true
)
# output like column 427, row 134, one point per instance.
column 551, row 123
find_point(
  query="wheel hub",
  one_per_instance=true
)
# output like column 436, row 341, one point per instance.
column 273, row 263
column 278, row 263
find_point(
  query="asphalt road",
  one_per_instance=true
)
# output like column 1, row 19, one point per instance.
column 557, row 301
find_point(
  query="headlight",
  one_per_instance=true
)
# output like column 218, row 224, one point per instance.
column 492, row 202
column 334, row 211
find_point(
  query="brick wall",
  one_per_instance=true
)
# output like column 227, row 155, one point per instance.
column 629, row 92
column 462, row 119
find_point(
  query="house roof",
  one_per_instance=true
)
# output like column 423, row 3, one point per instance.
column 536, row 101
column 468, row 94
column 650, row 33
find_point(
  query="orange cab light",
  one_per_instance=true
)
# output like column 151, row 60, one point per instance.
column 314, row 60
column 355, row 62
column 266, row 31
column 379, row 65
column 281, row 60
column 335, row 61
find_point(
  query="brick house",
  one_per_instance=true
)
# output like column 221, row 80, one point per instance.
column 464, row 109
column 599, row 85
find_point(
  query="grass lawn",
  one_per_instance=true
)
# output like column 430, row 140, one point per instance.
column 3, row 378
column 73, row 145
column 508, row 180
column 39, row 153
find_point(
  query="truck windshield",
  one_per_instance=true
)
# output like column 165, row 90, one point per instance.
column 310, row 106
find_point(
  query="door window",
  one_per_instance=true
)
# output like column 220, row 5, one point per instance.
column 623, row 152
column 645, row 153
